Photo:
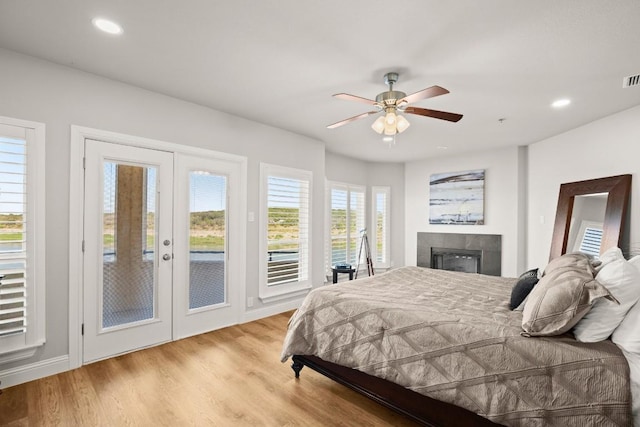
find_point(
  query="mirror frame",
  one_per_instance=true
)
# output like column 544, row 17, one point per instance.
column 619, row 189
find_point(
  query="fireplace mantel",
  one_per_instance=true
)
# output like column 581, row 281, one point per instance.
column 489, row 244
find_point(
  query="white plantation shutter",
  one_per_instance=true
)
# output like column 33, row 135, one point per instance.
column 591, row 240
column 286, row 205
column 338, row 233
column 347, row 221
column 13, row 254
column 288, row 230
column 21, row 237
column 13, row 303
column 380, row 236
column 356, row 223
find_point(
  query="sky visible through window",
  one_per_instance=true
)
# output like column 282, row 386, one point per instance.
column 12, row 175
column 200, row 185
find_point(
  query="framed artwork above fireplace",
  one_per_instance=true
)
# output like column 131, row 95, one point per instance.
column 457, row 198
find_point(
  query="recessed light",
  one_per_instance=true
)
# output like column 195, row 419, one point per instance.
column 107, row 26
column 560, row 103
column 442, row 147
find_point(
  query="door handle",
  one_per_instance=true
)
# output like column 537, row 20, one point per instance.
column 166, row 257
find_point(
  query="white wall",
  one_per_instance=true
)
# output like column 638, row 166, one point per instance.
column 504, row 206
column 59, row 97
column 606, row 147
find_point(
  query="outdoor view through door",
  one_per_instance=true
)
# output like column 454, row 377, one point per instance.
column 207, row 235
column 129, row 243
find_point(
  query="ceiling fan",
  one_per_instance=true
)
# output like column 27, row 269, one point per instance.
column 393, row 102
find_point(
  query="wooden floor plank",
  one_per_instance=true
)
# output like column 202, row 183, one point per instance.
column 229, row 377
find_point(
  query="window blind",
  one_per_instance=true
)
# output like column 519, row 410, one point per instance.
column 13, row 250
column 356, row 223
column 591, row 241
column 381, row 223
column 339, row 224
column 287, row 230
column 347, row 223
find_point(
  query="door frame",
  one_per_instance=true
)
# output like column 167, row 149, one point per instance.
column 76, row 215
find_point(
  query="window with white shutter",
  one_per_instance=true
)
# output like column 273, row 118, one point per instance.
column 346, row 223
column 589, row 238
column 380, row 237
column 21, row 238
column 285, row 231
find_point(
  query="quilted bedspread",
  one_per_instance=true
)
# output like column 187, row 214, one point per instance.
column 452, row 337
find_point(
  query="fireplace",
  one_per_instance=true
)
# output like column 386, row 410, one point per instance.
column 467, row 261
column 472, row 253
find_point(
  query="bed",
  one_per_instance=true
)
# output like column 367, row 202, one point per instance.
column 429, row 342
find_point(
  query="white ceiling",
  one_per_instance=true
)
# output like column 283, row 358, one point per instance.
column 279, row 62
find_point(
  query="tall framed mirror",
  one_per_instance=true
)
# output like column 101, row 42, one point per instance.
column 590, row 215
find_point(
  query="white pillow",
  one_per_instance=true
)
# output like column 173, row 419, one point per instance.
column 622, row 279
column 626, row 335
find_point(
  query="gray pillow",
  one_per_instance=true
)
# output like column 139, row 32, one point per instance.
column 522, row 288
column 564, row 294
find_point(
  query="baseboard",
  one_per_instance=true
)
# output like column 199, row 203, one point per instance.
column 272, row 310
column 33, row 371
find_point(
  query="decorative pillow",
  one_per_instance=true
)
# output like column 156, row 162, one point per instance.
column 523, row 286
column 626, row 335
column 562, row 297
column 622, row 279
column 574, row 260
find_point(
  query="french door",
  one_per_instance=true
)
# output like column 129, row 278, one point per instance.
column 203, row 270
column 156, row 247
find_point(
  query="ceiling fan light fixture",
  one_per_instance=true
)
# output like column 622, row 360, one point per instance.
column 390, row 118
column 378, row 125
column 390, row 129
column 392, row 102
column 402, row 124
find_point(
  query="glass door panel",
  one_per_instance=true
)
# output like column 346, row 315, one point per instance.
column 129, row 285
column 207, row 239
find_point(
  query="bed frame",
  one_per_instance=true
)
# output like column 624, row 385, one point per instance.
column 419, row 408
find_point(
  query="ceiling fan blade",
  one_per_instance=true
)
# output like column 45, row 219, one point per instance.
column 348, row 97
column 442, row 115
column 429, row 92
column 351, row 119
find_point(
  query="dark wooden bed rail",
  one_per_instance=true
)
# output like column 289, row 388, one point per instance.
column 419, row 408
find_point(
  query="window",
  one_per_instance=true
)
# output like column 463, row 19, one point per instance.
column 22, row 293
column 589, row 238
column 380, row 208
column 346, row 223
column 285, row 231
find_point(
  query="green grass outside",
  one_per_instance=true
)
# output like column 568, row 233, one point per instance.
column 7, row 237
column 210, row 243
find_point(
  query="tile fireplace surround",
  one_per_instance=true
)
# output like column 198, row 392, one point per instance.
column 489, row 244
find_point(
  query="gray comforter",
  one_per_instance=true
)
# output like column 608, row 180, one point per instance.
column 452, row 337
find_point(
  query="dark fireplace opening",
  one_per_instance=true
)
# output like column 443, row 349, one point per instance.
column 486, row 247
column 465, row 260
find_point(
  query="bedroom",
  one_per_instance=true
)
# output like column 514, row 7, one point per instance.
column 521, row 183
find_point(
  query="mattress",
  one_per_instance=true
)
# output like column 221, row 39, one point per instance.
column 451, row 336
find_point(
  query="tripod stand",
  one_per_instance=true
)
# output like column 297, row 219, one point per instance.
column 364, row 244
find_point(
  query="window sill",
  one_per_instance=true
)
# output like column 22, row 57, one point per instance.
column 278, row 296
column 19, row 354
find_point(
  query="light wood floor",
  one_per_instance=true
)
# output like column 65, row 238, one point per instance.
column 229, row 377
